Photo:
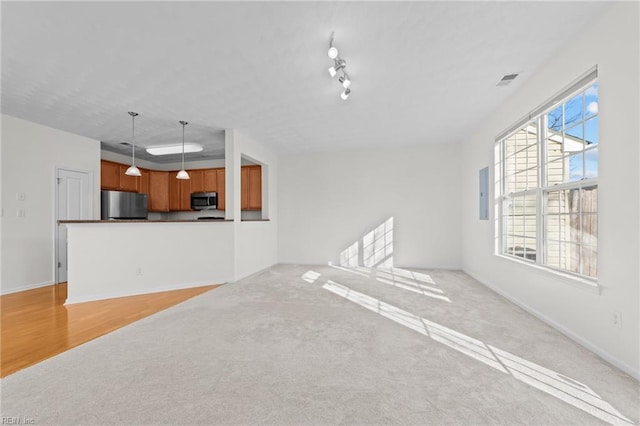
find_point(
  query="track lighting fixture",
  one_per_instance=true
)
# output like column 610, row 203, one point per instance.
column 339, row 64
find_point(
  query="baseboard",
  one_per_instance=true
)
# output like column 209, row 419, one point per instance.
column 25, row 287
column 633, row 372
column 82, row 299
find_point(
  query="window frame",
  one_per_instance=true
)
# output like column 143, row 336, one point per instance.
column 538, row 117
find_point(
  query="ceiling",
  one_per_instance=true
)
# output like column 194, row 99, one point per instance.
column 422, row 72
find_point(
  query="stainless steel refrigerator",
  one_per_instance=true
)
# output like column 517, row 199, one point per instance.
column 123, row 205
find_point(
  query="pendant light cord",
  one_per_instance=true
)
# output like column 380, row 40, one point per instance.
column 183, row 147
column 133, row 140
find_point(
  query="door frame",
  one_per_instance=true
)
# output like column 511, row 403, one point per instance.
column 56, row 226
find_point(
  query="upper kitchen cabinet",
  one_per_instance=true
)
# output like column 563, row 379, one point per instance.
column 220, row 186
column 251, row 187
column 109, row 175
column 197, row 180
column 128, row 183
column 179, row 193
column 185, row 194
column 113, row 177
column 204, row 180
column 210, row 180
column 144, row 182
column 158, row 191
column 244, row 189
column 165, row 192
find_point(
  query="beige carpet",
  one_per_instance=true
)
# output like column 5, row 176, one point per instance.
column 323, row 345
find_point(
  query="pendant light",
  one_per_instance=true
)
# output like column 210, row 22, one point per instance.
column 133, row 170
column 182, row 174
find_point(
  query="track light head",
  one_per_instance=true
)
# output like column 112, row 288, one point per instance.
column 337, row 66
column 344, row 95
column 345, row 81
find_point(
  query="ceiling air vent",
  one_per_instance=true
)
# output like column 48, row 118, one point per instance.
column 507, row 79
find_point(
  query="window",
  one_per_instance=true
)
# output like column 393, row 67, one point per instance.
column 547, row 177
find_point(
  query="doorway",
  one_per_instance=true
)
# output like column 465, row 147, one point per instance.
column 74, row 201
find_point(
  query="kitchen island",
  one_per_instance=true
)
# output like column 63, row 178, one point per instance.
column 116, row 258
column 114, row 221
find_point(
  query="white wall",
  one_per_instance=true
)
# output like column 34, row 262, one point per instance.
column 30, row 154
column 612, row 43
column 255, row 243
column 1, row 207
column 109, row 260
column 330, row 200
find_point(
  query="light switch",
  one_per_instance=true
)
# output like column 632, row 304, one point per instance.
column 21, row 196
column 20, row 212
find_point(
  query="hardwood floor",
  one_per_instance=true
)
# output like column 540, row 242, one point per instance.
column 36, row 324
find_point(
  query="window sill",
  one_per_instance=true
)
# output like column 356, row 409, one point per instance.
column 579, row 282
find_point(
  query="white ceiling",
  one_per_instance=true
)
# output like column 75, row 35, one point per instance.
column 422, row 72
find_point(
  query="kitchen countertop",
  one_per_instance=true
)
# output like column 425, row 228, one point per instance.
column 144, row 221
column 160, row 221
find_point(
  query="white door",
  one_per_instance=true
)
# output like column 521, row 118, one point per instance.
column 74, row 203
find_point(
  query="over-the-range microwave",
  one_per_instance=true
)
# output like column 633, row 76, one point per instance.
column 204, row 200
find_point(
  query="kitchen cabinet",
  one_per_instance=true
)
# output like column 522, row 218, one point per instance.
column 185, row 194
column 174, row 193
column 165, row 192
column 197, row 180
column 204, row 180
column 158, row 191
column 109, row 175
column 179, row 193
column 251, row 188
column 113, row 177
column 128, row 183
column 255, row 188
column 144, row 182
column 220, row 182
column 210, row 180
column 244, row 188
